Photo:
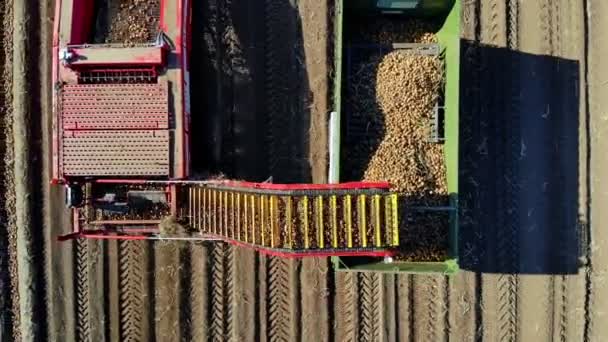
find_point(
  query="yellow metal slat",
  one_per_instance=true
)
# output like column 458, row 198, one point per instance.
column 395, row 219
column 214, row 212
column 334, row 221
column 246, row 217
column 204, row 211
column 225, row 214
column 273, row 224
column 319, row 222
column 377, row 215
column 190, row 206
column 237, row 215
column 362, row 219
column 208, row 210
column 288, row 217
column 305, row 221
column 252, row 207
column 348, row 219
column 199, row 213
column 196, row 207
column 263, row 219
column 231, row 215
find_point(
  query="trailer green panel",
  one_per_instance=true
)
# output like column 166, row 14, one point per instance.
column 449, row 41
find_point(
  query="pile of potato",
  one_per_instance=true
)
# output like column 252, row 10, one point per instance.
column 135, row 22
column 391, row 97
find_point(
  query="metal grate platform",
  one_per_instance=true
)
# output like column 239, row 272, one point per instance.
column 114, row 106
column 115, row 153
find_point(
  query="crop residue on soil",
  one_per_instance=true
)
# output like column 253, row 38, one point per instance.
column 391, row 96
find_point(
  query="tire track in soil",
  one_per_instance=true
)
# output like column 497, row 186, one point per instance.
column 370, row 301
column 221, row 293
column 498, row 25
column 537, row 293
column 597, row 285
column 568, row 39
column 347, row 307
column 135, row 295
column 81, row 287
column 569, row 298
column 465, row 316
column 280, row 71
column 282, row 307
column 508, row 248
column 406, row 310
column 430, row 308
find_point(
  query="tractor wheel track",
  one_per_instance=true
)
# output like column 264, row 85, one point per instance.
column 83, row 324
column 498, row 27
column 369, row 303
column 134, row 292
column 221, row 292
column 279, row 61
column 508, row 243
column 347, row 307
column 282, row 305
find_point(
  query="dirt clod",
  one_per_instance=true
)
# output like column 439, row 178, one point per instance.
column 170, row 226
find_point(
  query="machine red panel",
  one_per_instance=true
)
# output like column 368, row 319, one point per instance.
column 114, row 106
column 115, row 153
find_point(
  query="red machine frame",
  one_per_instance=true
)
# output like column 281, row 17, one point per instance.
column 72, row 28
column 148, row 230
column 168, row 57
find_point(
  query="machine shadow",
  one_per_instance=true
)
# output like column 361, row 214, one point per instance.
column 519, row 162
column 250, row 92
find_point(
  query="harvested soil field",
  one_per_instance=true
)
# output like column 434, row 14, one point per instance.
column 127, row 21
column 391, row 97
column 101, row 291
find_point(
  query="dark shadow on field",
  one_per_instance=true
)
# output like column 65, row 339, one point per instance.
column 250, row 92
column 519, row 162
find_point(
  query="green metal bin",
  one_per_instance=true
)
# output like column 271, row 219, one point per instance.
column 448, row 11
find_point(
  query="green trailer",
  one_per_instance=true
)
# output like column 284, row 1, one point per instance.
column 446, row 16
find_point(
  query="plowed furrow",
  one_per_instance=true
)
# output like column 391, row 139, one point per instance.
column 278, row 299
column 369, row 299
column 217, row 323
column 83, row 327
column 132, row 290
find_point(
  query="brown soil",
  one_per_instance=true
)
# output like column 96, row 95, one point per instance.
column 129, row 21
column 9, row 302
column 413, row 307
